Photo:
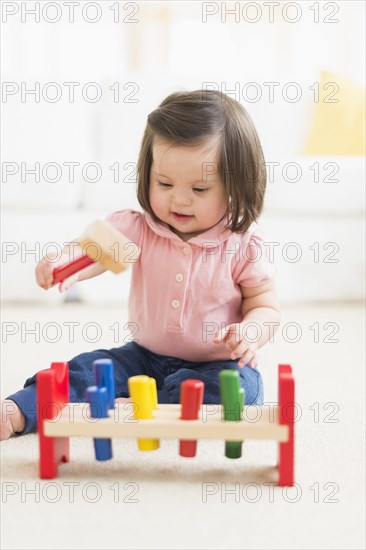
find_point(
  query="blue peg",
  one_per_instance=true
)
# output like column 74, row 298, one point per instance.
column 104, row 376
column 98, row 400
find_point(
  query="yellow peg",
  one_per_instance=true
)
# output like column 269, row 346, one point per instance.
column 144, row 395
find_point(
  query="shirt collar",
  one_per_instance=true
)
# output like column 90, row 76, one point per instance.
column 213, row 236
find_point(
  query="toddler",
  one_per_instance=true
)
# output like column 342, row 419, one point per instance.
column 202, row 294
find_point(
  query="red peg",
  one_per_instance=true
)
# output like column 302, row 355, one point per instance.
column 66, row 270
column 191, row 398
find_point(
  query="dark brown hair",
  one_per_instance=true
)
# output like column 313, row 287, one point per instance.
column 189, row 118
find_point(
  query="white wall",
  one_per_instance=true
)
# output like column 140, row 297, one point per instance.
column 169, row 47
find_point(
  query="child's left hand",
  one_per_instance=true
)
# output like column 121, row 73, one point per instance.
column 233, row 337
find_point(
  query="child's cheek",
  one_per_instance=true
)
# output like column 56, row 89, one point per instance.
column 157, row 202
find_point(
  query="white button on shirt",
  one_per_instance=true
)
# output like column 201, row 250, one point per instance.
column 179, row 277
column 175, row 304
column 186, row 250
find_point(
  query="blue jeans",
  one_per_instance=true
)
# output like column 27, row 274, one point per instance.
column 132, row 359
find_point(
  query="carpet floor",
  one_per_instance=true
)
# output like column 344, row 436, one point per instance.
column 159, row 500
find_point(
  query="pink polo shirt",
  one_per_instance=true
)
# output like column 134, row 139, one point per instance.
column 182, row 293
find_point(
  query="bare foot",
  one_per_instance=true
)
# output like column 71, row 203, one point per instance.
column 123, row 400
column 12, row 419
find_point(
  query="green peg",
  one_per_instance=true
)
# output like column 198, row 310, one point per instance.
column 233, row 400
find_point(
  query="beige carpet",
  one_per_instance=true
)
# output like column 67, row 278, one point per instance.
column 159, row 500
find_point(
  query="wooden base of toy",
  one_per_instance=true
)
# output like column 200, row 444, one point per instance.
column 74, row 419
column 58, row 420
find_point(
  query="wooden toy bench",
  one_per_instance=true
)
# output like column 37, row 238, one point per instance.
column 58, row 420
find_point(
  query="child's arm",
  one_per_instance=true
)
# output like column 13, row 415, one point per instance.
column 100, row 234
column 44, row 269
column 261, row 309
column 72, row 252
column 261, row 319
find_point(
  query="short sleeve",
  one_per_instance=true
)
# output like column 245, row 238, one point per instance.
column 256, row 266
column 128, row 222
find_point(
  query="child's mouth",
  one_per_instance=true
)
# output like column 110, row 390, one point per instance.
column 181, row 217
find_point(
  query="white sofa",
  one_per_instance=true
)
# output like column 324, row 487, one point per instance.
column 304, row 211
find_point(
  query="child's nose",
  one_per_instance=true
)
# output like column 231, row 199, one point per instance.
column 181, row 199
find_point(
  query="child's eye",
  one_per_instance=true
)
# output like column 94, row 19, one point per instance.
column 198, row 189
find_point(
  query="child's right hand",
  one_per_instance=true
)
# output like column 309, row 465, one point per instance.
column 44, row 272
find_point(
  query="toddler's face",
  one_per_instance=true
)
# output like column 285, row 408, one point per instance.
column 185, row 180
